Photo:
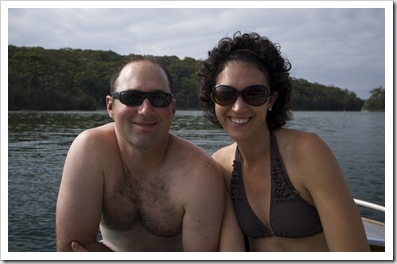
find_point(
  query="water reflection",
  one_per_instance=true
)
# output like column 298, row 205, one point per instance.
column 192, row 126
column 38, row 143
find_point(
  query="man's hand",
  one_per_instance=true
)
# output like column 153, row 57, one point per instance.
column 78, row 248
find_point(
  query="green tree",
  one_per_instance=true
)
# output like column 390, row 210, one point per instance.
column 308, row 96
column 376, row 101
column 75, row 79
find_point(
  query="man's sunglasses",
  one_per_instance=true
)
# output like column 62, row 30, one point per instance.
column 254, row 95
column 136, row 98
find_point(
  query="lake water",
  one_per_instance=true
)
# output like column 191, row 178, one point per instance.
column 38, row 143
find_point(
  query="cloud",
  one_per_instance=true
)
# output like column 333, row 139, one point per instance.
column 340, row 46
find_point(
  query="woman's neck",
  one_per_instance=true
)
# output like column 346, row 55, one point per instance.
column 255, row 149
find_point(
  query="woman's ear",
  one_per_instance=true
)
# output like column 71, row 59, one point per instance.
column 272, row 100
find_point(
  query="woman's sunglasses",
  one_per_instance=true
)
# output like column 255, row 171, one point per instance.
column 254, row 95
column 136, row 98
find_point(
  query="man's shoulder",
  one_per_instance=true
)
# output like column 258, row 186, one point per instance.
column 192, row 154
column 95, row 135
column 99, row 131
column 184, row 146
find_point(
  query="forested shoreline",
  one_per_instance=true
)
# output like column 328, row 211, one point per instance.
column 75, row 79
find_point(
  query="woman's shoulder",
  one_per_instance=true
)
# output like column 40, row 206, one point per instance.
column 225, row 156
column 298, row 140
column 226, row 152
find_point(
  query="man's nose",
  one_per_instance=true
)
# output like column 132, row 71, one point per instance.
column 145, row 107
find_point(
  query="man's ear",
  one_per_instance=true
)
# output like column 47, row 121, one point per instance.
column 173, row 107
column 109, row 105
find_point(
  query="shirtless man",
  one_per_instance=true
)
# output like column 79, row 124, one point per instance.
column 146, row 189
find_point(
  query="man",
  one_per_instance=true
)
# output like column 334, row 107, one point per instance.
column 147, row 189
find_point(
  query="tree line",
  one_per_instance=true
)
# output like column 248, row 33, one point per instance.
column 75, row 79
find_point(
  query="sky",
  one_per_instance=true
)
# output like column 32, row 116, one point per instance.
column 343, row 46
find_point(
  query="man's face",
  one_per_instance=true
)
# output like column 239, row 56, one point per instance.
column 144, row 125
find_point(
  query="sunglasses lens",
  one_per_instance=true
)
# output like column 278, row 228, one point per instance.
column 224, row 95
column 160, row 99
column 132, row 98
column 256, row 95
column 136, row 98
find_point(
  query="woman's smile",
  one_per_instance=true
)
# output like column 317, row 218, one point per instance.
column 240, row 120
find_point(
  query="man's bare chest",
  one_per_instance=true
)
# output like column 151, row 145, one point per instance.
column 149, row 204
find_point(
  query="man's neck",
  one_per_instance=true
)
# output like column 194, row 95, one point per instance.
column 150, row 158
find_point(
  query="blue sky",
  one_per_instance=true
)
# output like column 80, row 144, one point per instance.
column 343, row 46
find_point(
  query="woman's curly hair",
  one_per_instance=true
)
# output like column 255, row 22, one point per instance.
column 251, row 48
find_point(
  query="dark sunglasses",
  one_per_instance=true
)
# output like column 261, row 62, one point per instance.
column 136, row 98
column 254, row 95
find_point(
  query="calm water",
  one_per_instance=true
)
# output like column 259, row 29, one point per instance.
column 38, row 143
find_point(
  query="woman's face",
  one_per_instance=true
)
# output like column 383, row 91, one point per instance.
column 241, row 120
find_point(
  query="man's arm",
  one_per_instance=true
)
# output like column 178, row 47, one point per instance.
column 80, row 195
column 78, row 248
column 205, row 198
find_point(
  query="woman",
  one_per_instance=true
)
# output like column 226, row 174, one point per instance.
column 288, row 191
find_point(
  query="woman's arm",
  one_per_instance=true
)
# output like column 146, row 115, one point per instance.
column 323, row 178
column 232, row 238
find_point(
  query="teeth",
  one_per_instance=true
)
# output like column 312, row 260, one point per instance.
column 239, row 120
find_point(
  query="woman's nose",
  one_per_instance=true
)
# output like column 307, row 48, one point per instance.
column 239, row 104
